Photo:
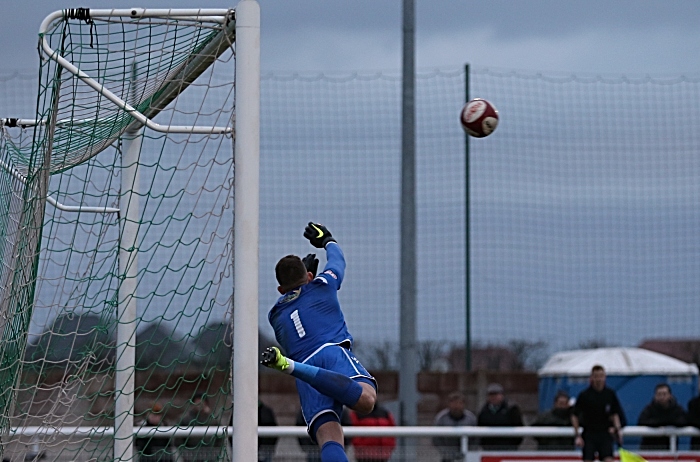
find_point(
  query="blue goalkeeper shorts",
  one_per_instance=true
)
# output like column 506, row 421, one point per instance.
column 315, row 405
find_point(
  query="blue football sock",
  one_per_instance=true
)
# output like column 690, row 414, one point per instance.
column 338, row 386
column 332, row 451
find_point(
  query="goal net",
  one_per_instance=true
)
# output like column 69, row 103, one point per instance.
column 116, row 228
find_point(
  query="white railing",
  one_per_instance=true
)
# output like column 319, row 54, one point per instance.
column 464, row 433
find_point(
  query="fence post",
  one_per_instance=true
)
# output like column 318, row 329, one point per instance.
column 464, row 443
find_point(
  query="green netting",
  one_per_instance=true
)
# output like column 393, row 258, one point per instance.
column 584, row 229
column 60, row 307
column 145, row 62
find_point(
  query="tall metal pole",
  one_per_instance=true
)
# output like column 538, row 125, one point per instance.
column 245, row 230
column 125, row 374
column 408, row 392
column 467, row 238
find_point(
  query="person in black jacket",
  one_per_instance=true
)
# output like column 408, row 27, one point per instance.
column 558, row 416
column 693, row 418
column 266, row 444
column 598, row 409
column 497, row 412
column 661, row 412
column 200, row 412
column 154, row 448
column 455, row 414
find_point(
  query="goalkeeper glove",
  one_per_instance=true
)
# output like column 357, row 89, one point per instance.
column 318, row 235
column 311, row 263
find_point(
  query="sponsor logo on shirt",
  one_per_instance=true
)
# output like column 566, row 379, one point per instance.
column 331, row 274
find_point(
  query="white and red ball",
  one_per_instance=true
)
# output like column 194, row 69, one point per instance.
column 479, row 118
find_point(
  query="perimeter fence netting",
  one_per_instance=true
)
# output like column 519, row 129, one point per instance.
column 583, row 205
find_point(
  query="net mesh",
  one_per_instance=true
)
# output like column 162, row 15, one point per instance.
column 60, row 307
column 583, row 231
column 582, row 207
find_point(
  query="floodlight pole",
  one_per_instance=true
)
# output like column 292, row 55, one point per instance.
column 125, row 373
column 408, row 392
column 245, row 230
column 467, row 240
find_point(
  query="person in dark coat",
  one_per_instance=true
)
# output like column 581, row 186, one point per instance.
column 558, row 416
column 693, row 418
column 154, row 448
column 497, row 412
column 663, row 411
column 454, row 415
column 266, row 444
column 200, row 413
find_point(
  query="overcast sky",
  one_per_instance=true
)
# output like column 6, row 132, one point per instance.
column 622, row 37
column 619, row 37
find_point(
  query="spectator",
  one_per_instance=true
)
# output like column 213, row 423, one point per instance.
column 153, row 448
column 373, row 448
column 558, row 416
column 598, row 410
column 497, row 412
column 266, row 445
column 661, row 412
column 201, row 449
column 311, row 449
column 693, row 418
column 454, row 415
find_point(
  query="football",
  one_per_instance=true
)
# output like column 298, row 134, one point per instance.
column 479, row 118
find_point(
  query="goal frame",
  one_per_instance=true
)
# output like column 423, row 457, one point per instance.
column 246, row 152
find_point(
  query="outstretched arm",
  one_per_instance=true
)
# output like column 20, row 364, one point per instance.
column 335, row 264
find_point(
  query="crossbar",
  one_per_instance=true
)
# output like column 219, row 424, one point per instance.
column 135, row 13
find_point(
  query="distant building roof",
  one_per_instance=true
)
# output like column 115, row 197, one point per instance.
column 488, row 358
column 687, row 350
column 74, row 338
column 616, row 361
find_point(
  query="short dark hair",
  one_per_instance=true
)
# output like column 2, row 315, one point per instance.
column 663, row 385
column 561, row 394
column 455, row 396
column 290, row 272
column 597, row 368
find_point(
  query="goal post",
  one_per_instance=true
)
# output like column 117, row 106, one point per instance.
column 133, row 146
column 246, row 231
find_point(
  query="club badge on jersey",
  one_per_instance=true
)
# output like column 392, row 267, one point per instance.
column 290, row 296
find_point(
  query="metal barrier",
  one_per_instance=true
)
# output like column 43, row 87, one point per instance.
column 464, row 433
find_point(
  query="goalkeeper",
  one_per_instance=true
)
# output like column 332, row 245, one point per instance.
column 310, row 327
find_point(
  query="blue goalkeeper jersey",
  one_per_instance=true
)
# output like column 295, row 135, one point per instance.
column 306, row 318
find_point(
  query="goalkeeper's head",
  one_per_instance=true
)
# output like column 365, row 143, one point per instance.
column 291, row 273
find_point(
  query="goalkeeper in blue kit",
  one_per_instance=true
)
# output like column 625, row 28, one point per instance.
column 310, row 327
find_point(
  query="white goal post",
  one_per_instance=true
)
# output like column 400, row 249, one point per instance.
column 246, row 231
